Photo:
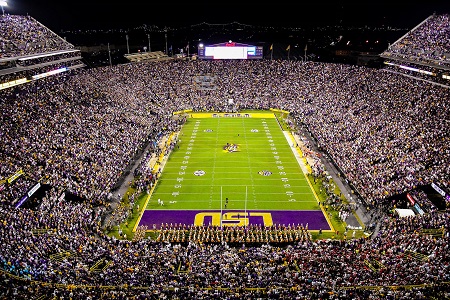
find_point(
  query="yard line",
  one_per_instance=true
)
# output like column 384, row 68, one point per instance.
column 236, row 200
column 237, row 192
column 211, row 193
column 240, row 178
column 235, row 167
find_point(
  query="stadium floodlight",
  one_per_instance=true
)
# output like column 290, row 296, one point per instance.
column 3, row 3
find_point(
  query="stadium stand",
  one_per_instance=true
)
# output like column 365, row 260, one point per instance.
column 423, row 52
column 68, row 140
column 29, row 51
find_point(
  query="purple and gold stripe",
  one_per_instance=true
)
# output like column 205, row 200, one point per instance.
column 315, row 219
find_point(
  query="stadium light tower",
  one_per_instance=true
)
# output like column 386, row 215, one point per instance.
column 3, row 3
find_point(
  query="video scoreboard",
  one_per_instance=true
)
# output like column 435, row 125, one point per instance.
column 230, row 50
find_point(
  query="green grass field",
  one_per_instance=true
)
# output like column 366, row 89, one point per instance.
column 262, row 174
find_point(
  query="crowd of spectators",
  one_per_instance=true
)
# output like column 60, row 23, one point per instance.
column 59, row 246
column 421, row 198
column 79, row 137
column 426, row 43
column 78, row 132
column 23, row 35
column 384, row 131
column 28, row 48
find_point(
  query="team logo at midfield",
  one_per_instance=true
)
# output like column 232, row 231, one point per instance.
column 265, row 173
column 199, row 173
column 254, row 130
column 231, row 147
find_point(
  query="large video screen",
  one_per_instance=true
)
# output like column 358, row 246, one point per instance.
column 230, row 50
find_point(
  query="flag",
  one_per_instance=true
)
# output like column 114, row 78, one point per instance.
column 271, row 47
column 306, row 47
column 288, row 48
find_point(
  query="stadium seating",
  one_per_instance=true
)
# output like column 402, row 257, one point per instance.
column 74, row 135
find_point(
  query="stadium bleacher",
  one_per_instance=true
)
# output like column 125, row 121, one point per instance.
column 29, row 49
column 418, row 55
column 76, row 133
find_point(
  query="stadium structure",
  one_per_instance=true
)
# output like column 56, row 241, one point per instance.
column 84, row 152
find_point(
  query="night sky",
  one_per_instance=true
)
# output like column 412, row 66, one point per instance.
column 82, row 14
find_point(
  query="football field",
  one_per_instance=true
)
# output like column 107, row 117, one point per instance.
column 233, row 169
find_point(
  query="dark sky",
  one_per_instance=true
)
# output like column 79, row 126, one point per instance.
column 82, row 14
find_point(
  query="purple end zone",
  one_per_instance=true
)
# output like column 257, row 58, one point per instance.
column 314, row 218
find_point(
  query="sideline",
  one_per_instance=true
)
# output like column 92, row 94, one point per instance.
column 157, row 168
column 306, row 168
